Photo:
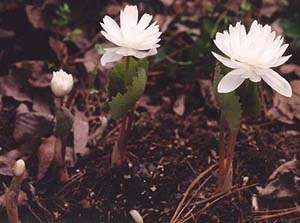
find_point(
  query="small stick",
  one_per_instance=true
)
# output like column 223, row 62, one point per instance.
column 12, row 193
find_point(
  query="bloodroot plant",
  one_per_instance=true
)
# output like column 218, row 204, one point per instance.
column 135, row 40
column 61, row 86
column 251, row 56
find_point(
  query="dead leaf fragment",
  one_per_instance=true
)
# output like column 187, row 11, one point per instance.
column 179, row 105
column 286, row 109
column 36, row 72
column 151, row 109
column 45, row 156
column 35, row 16
column 81, row 133
column 206, row 89
column 10, row 86
column 60, row 49
column 283, row 182
column 7, row 161
column 290, row 68
column 5, row 34
column 30, row 125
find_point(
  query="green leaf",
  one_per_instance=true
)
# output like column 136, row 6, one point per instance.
column 250, row 99
column 116, row 76
column 291, row 27
column 63, row 122
column 121, row 103
column 99, row 48
column 229, row 102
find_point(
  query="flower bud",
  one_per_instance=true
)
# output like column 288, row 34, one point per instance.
column 61, row 83
column 136, row 216
column 19, row 168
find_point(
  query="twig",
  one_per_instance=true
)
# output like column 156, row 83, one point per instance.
column 186, row 193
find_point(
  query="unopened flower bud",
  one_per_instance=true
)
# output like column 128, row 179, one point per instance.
column 136, row 216
column 19, row 168
column 61, row 83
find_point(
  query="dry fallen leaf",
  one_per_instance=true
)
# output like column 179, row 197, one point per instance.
column 269, row 7
column 283, row 182
column 29, row 125
column 206, row 89
column 179, row 106
column 290, row 68
column 60, row 49
column 5, row 34
column 10, row 86
column 151, row 109
column 286, row 109
column 36, row 72
column 7, row 161
column 45, row 155
column 35, row 16
column 39, row 104
column 81, row 133
column 290, row 166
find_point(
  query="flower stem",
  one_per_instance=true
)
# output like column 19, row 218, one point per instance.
column 225, row 177
column 60, row 169
column 119, row 154
column 11, row 197
column 221, row 152
column 59, row 159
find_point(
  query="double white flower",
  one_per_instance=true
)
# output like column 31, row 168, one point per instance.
column 133, row 38
column 61, row 83
column 252, row 55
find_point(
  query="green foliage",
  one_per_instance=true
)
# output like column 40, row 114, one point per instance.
column 62, row 15
column 121, row 100
column 229, row 103
column 116, row 76
column 64, row 122
column 250, row 99
column 290, row 19
column 121, row 103
column 246, row 6
column 99, row 48
column 71, row 36
column 161, row 55
column 292, row 28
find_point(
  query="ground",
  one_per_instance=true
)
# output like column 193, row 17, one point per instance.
column 175, row 135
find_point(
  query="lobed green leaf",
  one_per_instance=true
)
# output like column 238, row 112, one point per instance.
column 229, row 102
column 121, row 103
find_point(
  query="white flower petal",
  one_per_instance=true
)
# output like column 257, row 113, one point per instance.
column 227, row 62
column 141, row 54
column 281, row 61
column 112, row 28
column 144, row 21
column 231, row 81
column 255, row 78
column 133, row 37
column 277, row 82
column 129, row 17
column 110, row 56
column 259, row 48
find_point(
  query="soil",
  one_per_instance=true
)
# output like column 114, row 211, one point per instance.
column 167, row 150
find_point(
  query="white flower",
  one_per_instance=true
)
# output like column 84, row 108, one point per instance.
column 61, row 83
column 252, row 55
column 133, row 38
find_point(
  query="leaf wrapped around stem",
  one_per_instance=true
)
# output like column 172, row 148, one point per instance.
column 123, row 98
